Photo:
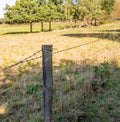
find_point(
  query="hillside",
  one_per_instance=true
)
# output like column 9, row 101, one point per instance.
column 85, row 71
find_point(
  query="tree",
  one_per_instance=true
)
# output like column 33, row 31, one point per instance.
column 49, row 12
column 57, row 2
column 29, row 11
column 92, row 10
column 24, row 11
column 107, row 6
column 86, row 10
column 1, row 21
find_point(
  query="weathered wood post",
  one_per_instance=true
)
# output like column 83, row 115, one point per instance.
column 47, row 82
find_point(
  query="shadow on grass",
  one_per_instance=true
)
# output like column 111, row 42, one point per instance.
column 102, row 35
column 113, row 30
column 82, row 93
column 13, row 100
column 20, row 32
column 25, row 32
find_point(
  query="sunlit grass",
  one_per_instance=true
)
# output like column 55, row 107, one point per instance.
column 3, row 109
column 15, row 47
column 25, row 28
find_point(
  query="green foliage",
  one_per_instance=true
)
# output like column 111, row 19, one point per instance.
column 41, row 2
column 89, row 10
column 48, row 12
column 1, row 22
column 95, row 85
column 32, row 88
column 35, row 118
column 104, row 70
column 57, row 2
column 22, row 11
column 107, row 6
column 28, row 11
column 102, row 76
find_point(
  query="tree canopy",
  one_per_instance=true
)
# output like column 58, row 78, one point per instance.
column 24, row 11
column 29, row 11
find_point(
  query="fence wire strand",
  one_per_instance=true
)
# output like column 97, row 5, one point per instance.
column 29, row 58
column 73, row 47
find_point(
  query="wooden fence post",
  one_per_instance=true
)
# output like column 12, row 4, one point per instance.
column 47, row 82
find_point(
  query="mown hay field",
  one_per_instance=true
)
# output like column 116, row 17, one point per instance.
column 81, row 51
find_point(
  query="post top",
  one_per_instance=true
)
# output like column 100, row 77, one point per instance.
column 47, row 47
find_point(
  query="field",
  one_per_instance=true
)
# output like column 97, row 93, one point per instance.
column 86, row 73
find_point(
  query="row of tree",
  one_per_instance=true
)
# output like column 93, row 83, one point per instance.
column 29, row 11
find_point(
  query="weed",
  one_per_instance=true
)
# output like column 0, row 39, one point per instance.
column 32, row 88
column 95, row 85
column 103, row 73
column 35, row 118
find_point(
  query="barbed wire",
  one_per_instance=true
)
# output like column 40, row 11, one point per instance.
column 59, row 51
column 29, row 58
column 23, row 60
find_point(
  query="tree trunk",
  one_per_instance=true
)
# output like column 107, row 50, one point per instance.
column 70, row 23
column 49, row 25
column 95, row 22
column 30, row 27
column 91, row 21
column 65, row 24
column 42, row 26
column 75, row 21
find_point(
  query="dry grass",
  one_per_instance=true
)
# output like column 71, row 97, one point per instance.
column 15, row 47
column 98, row 45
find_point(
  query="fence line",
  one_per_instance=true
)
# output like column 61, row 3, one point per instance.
column 29, row 58
column 23, row 60
column 73, row 47
column 41, row 57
